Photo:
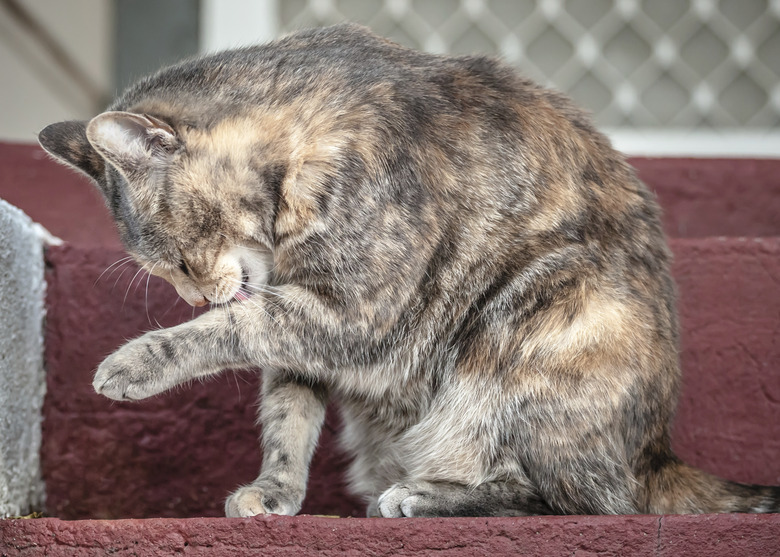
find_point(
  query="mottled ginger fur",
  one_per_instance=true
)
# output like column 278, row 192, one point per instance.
column 451, row 252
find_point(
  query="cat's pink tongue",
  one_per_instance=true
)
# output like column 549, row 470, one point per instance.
column 241, row 296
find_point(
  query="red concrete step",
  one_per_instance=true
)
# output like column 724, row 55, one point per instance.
column 618, row 536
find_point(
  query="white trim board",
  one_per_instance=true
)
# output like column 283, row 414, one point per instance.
column 233, row 23
column 740, row 143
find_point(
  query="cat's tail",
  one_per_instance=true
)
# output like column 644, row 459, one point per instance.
column 676, row 488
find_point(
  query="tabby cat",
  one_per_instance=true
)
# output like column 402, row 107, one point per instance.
column 451, row 252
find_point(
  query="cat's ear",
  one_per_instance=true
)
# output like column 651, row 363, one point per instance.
column 134, row 143
column 67, row 142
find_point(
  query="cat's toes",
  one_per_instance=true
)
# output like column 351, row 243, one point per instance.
column 397, row 502
column 413, row 500
column 251, row 500
column 120, row 381
column 247, row 501
column 113, row 381
column 389, row 504
column 130, row 373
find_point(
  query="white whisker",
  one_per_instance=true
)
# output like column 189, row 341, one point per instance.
column 117, row 264
column 146, row 297
column 167, row 311
column 120, row 277
column 268, row 314
column 132, row 280
column 140, row 280
column 268, row 292
column 233, row 334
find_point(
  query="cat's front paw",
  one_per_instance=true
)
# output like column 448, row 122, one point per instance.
column 130, row 373
column 252, row 500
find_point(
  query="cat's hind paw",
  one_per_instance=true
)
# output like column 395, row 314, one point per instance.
column 423, row 499
column 404, row 501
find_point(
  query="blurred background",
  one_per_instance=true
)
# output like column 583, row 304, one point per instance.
column 662, row 77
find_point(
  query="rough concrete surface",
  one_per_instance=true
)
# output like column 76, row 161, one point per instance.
column 618, row 536
column 22, row 381
column 728, row 418
column 715, row 197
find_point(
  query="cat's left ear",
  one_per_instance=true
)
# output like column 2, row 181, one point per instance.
column 67, row 142
column 134, row 143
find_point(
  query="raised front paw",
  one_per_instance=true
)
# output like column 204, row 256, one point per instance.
column 130, row 373
column 252, row 500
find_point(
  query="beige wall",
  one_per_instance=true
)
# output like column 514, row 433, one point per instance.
column 34, row 89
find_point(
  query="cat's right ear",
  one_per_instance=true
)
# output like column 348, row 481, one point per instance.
column 67, row 142
column 134, row 143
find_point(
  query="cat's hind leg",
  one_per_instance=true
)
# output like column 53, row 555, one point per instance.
column 430, row 499
column 292, row 413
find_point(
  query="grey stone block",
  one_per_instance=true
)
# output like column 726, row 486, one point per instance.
column 22, row 378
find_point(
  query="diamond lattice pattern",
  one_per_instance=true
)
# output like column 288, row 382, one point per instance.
column 634, row 63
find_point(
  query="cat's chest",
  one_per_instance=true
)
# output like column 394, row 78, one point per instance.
column 381, row 390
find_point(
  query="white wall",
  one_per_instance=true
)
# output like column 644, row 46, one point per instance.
column 233, row 23
column 34, row 90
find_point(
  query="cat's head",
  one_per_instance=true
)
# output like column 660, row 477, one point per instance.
column 196, row 215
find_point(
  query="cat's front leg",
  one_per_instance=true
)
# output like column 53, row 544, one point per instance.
column 292, row 413
column 141, row 368
column 160, row 360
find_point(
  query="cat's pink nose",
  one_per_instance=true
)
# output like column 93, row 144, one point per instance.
column 200, row 303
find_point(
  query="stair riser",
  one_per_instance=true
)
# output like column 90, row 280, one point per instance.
column 181, row 453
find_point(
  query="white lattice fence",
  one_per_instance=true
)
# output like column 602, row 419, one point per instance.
column 651, row 63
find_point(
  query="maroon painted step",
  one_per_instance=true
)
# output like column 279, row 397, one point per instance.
column 618, row 536
column 179, row 454
column 700, row 197
column 61, row 199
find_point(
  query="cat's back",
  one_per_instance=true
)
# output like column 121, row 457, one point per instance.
column 339, row 57
column 343, row 65
column 465, row 132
